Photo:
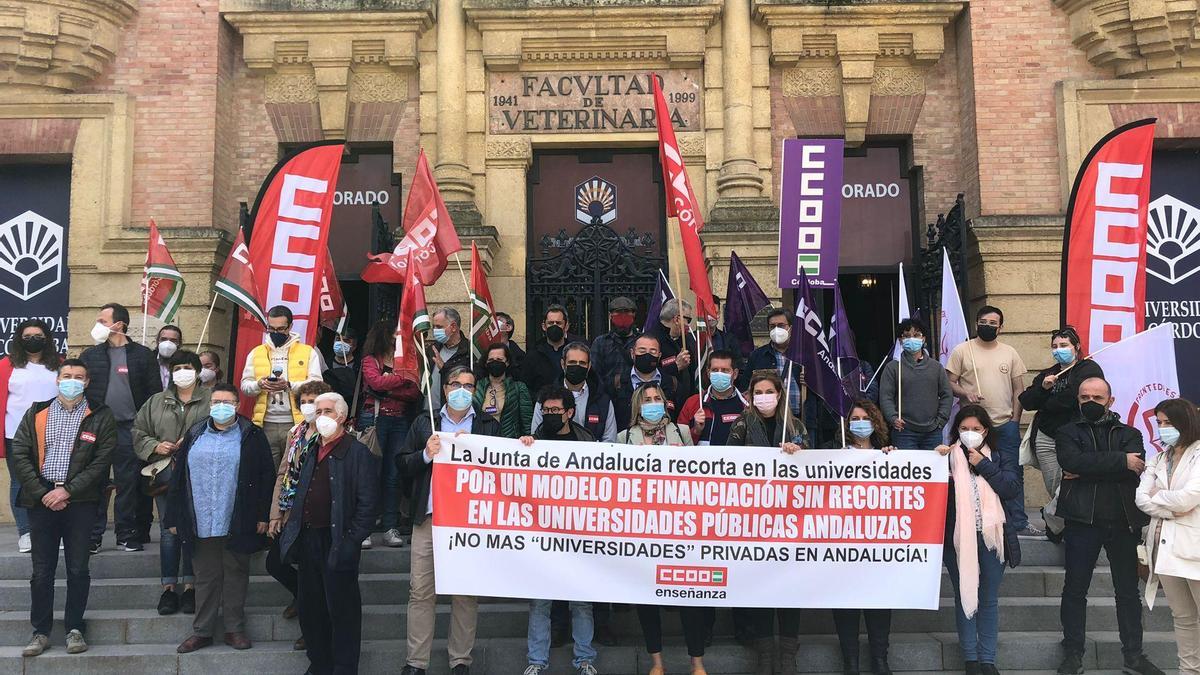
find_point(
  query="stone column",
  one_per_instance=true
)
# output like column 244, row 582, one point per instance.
column 739, row 175
column 453, row 175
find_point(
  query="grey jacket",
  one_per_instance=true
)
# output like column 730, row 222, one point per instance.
column 927, row 393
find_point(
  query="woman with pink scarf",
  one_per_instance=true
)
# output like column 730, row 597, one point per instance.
column 979, row 542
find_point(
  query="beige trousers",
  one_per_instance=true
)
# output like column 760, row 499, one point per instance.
column 422, row 608
column 277, row 435
column 1184, row 597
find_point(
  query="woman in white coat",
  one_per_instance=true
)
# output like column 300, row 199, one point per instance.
column 1169, row 493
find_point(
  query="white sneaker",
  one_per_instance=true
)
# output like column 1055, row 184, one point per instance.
column 534, row 669
column 38, row 644
column 367, row 542
column 75, row 643
column 24, row 544
column 393, row 539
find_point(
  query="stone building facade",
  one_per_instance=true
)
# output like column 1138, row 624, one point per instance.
column 175, row 110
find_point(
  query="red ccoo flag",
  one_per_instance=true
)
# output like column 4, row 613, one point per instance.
column 333, row 304
column 484, row 330
column 162, row 284
column 681, row 203
column 414, row 318
column 236, row 281
column 428, row 233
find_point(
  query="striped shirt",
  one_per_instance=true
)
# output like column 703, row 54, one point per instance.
column 781, row 365
column 62, row 428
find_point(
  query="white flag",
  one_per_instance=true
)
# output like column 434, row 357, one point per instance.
column 1141, row 370
column 905, row 313
column 953, row 329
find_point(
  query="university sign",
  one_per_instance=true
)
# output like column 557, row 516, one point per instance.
column 564, row 102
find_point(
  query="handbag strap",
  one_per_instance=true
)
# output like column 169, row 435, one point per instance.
column 357, row 389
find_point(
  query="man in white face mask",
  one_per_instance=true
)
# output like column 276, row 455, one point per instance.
column 122, row 375
column 773, row 356
column 170, row 338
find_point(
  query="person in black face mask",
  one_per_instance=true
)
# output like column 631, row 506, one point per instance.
column 1101, row 459
column 646, row 357
column 502, row 397
column 593, row 408
column 543, row 364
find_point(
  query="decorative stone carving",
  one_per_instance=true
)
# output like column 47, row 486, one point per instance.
column 905, row 38
column 509, row 149
column 56, row 46
column 1137, row 38
column 348, row 56
column 291, row 88
column 691, row 144
column 645, row 49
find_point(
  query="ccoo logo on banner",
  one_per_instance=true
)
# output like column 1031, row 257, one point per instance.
column 34, row 278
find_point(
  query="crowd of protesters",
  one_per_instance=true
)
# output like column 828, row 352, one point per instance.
column 338, row 447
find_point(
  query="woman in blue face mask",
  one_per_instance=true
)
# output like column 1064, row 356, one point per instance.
column 1054, row 395
column 865, row 429
column 652, row 425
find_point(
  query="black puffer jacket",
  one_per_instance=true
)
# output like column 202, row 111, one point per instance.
column 1096, row 452
column 1059, row 404
column 145, row 380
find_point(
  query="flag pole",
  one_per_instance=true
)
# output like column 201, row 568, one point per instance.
column 900, row 386
column 843, row 417
column 975, row 368
column 145, row 309
column 787, row 404
column 428, row 380
column 470, row 310
column 204, row 330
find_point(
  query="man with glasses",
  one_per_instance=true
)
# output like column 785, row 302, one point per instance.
column 508, row 327
column 274, row 371
column 989, row 372
column 421, row 446
column 543, row 365
column 678, row 347
column 773, row 356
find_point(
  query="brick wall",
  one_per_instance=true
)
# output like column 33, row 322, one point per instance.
column 936, row 137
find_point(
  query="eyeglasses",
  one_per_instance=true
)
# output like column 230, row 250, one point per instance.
column 993, row 323
column 553, row 411
column 278, row 329
column 461, row 385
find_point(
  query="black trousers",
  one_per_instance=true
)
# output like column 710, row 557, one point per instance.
column 764, row 622
column 695, row 627
column 281, row 571
column 133, row 511
column 879, row 627
column 330, row 608
column 1083, row 544
column 73, row 527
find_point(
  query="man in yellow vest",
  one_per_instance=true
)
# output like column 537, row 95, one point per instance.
column 273, row 371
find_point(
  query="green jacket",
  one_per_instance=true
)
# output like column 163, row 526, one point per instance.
column 517, row 415
column 165, row 418
column 90, row 458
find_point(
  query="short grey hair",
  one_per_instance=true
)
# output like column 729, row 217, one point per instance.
column 339, row 403
column 670, row 309
column 451, row 315
column 455, row 372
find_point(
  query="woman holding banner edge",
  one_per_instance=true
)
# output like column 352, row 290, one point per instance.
column 864, row 429
column 767, row 423
column 980, row 479
column 651, row 425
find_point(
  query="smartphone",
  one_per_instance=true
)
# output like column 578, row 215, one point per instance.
column 275, row 374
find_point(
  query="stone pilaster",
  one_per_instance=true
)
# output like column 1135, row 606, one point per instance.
column 451, row 170
column 739, row 175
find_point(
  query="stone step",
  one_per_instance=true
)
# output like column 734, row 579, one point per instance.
column 509, row 619
column 917, row 653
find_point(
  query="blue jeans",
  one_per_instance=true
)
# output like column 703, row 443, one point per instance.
column 390, row 431
column 20, row 513
column 1008, row 441
column 917, row 440
column 174, row 556
column 581, row 632
column 977, row 635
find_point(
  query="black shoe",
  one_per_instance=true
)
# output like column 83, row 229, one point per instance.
column 1140, row 665
column 130, row 545
column 850, row 664
column 410, row 670
column 95, row 548
column 605, row 636
column 168, row 602
column 988, row 669
column 879, row 666
column 461, row 669
column 187, row 601
column 1072, row 664
column 972, row 668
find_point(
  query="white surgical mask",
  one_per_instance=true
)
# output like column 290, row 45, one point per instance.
column 166, row 348
column 309, row 410
column 971, row 439
column 100, row 333
column 207, row 375
column 326, row 426
column 779, row 335
column 184, row 378
column 766, row 403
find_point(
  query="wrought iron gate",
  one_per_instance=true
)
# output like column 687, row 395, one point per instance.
column 595, row 266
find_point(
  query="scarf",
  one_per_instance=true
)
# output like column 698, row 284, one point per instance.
column 990, row 516
column 654, row 434
column 296, row 454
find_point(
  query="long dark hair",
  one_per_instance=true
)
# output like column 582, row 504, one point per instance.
column 1184, row 417
column 16, row 350
column 978, row 412
column 381, row 340
column 879, row 436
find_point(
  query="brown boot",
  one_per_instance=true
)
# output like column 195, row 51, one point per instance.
column 787, row 656
column 765, row 649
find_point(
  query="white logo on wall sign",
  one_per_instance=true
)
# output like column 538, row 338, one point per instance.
column 1172, row 239
column 31, row 255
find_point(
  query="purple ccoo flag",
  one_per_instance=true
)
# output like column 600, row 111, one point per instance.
column 841, row 339
column 662, row 293
column 810, row 348
column 744, row 298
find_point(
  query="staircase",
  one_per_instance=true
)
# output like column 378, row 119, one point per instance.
column 127, row 635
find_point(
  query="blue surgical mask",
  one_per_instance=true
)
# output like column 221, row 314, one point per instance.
column 1064, row 355
column 439, row 334
column 222, row 412
column 70, row 389
column 912, row 345
column 1168, row 435
column 720, row 381
column 341, row 348
column 653, row 412
column 459, row 399
column 862, row 428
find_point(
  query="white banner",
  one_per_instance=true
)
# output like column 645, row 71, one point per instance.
column 707, row 526
column 1141, row 370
